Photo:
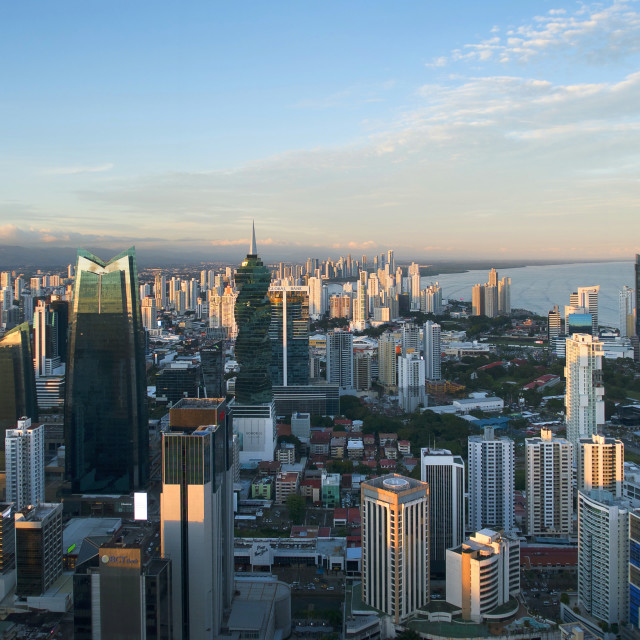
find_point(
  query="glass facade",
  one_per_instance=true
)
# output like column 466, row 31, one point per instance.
column 17, row 379
column 106, row 431
column 289, row 334
column 253, row 317
column 212, row 362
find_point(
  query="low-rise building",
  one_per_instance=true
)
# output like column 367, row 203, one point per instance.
column 286, row 485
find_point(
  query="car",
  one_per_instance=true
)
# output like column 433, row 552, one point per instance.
column 546, row 602
column 330, row 588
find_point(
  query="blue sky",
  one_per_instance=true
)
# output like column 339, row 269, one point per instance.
column 444, row 130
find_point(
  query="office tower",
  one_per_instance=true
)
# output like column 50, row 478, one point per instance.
column 491, row 481
column 24, row 458
column 149, row 313
column 289, row 335
column 160, row 291
column 601, row 464
column 17, row 378
column 477, row 300
column 634, row 569
column 548, row 479
column 445, row 475
column 432, row 351
column 626, row 311
column 7, row 544
column 106, row 431
column 197, row 520
column 253, row 315
column 5, row 279
column 584, row 393
column 577, row 322
column 46, row 335
column 362, row 371
column 119, row 590
column 340, row 359
column 387, row 363
column 603, row 556
column 38, row 548
column 554, row 324
column 395, row 545
column 60, row 326
column 483, row 573
column 212, row 360
column 178, row 380
column 411, row 382
column 587, row 297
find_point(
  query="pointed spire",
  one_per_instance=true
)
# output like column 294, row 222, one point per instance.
column 253, row 250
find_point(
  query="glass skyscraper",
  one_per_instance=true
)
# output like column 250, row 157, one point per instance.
column 289, row 335
column 17, row 379
column 106, row 430
column 253, row 317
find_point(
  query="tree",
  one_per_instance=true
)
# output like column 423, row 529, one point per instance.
column 564, row 598
column 407, row 634
column 296, row 506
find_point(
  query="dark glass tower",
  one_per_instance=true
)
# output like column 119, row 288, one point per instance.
column 289, row 334
column 212, row 361
column 253, row 316
column 17, row 379
column 106, row 430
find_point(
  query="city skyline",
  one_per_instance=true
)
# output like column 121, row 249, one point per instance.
column 161, row 128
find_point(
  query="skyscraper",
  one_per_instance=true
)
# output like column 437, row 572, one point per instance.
column 627, row 311
column 603, row 556
column 584, row 394
column 106, row 431
column 432, row 351
column 212, row 363
column 24, row 447
column 548, row 480
column 253, row 316
column 387, row 360
column 491, row 481
column 445, row 475
column 601, row 464
column 340, row 358
column 253, row 409
column 197, row 516
column 17, row 379
column 587, row 297
column 411, row 381
column 289, row 335
column 395, row 545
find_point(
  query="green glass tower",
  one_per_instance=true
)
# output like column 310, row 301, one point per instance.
column 253, row 317
column 17, row 379
column 106, row 429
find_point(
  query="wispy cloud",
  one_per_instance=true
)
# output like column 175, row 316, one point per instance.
column 592, row 33
column 72, row 171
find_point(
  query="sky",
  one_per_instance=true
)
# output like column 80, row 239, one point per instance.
column 443, row 130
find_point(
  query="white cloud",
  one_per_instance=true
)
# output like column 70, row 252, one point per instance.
column 72, row 171
column 591, row 33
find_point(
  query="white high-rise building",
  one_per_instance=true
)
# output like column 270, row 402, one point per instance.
column 431, row 299
column 411, row 381
column 24, row 461
column 361, row 306
column 584, row 394
column 603, row 556
column 395, row 545
column 410, row 339
column 482, row 573
column 149, row 313
column 587, row 297
column 601, row 464
column 196, row 525
column 340, row 359
column 627, row 311
column 445, row 475
column 432, row 351
column 491, row 481
column 504, row 296
column 318, row 298
column 45, row 338
column 548, row 479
